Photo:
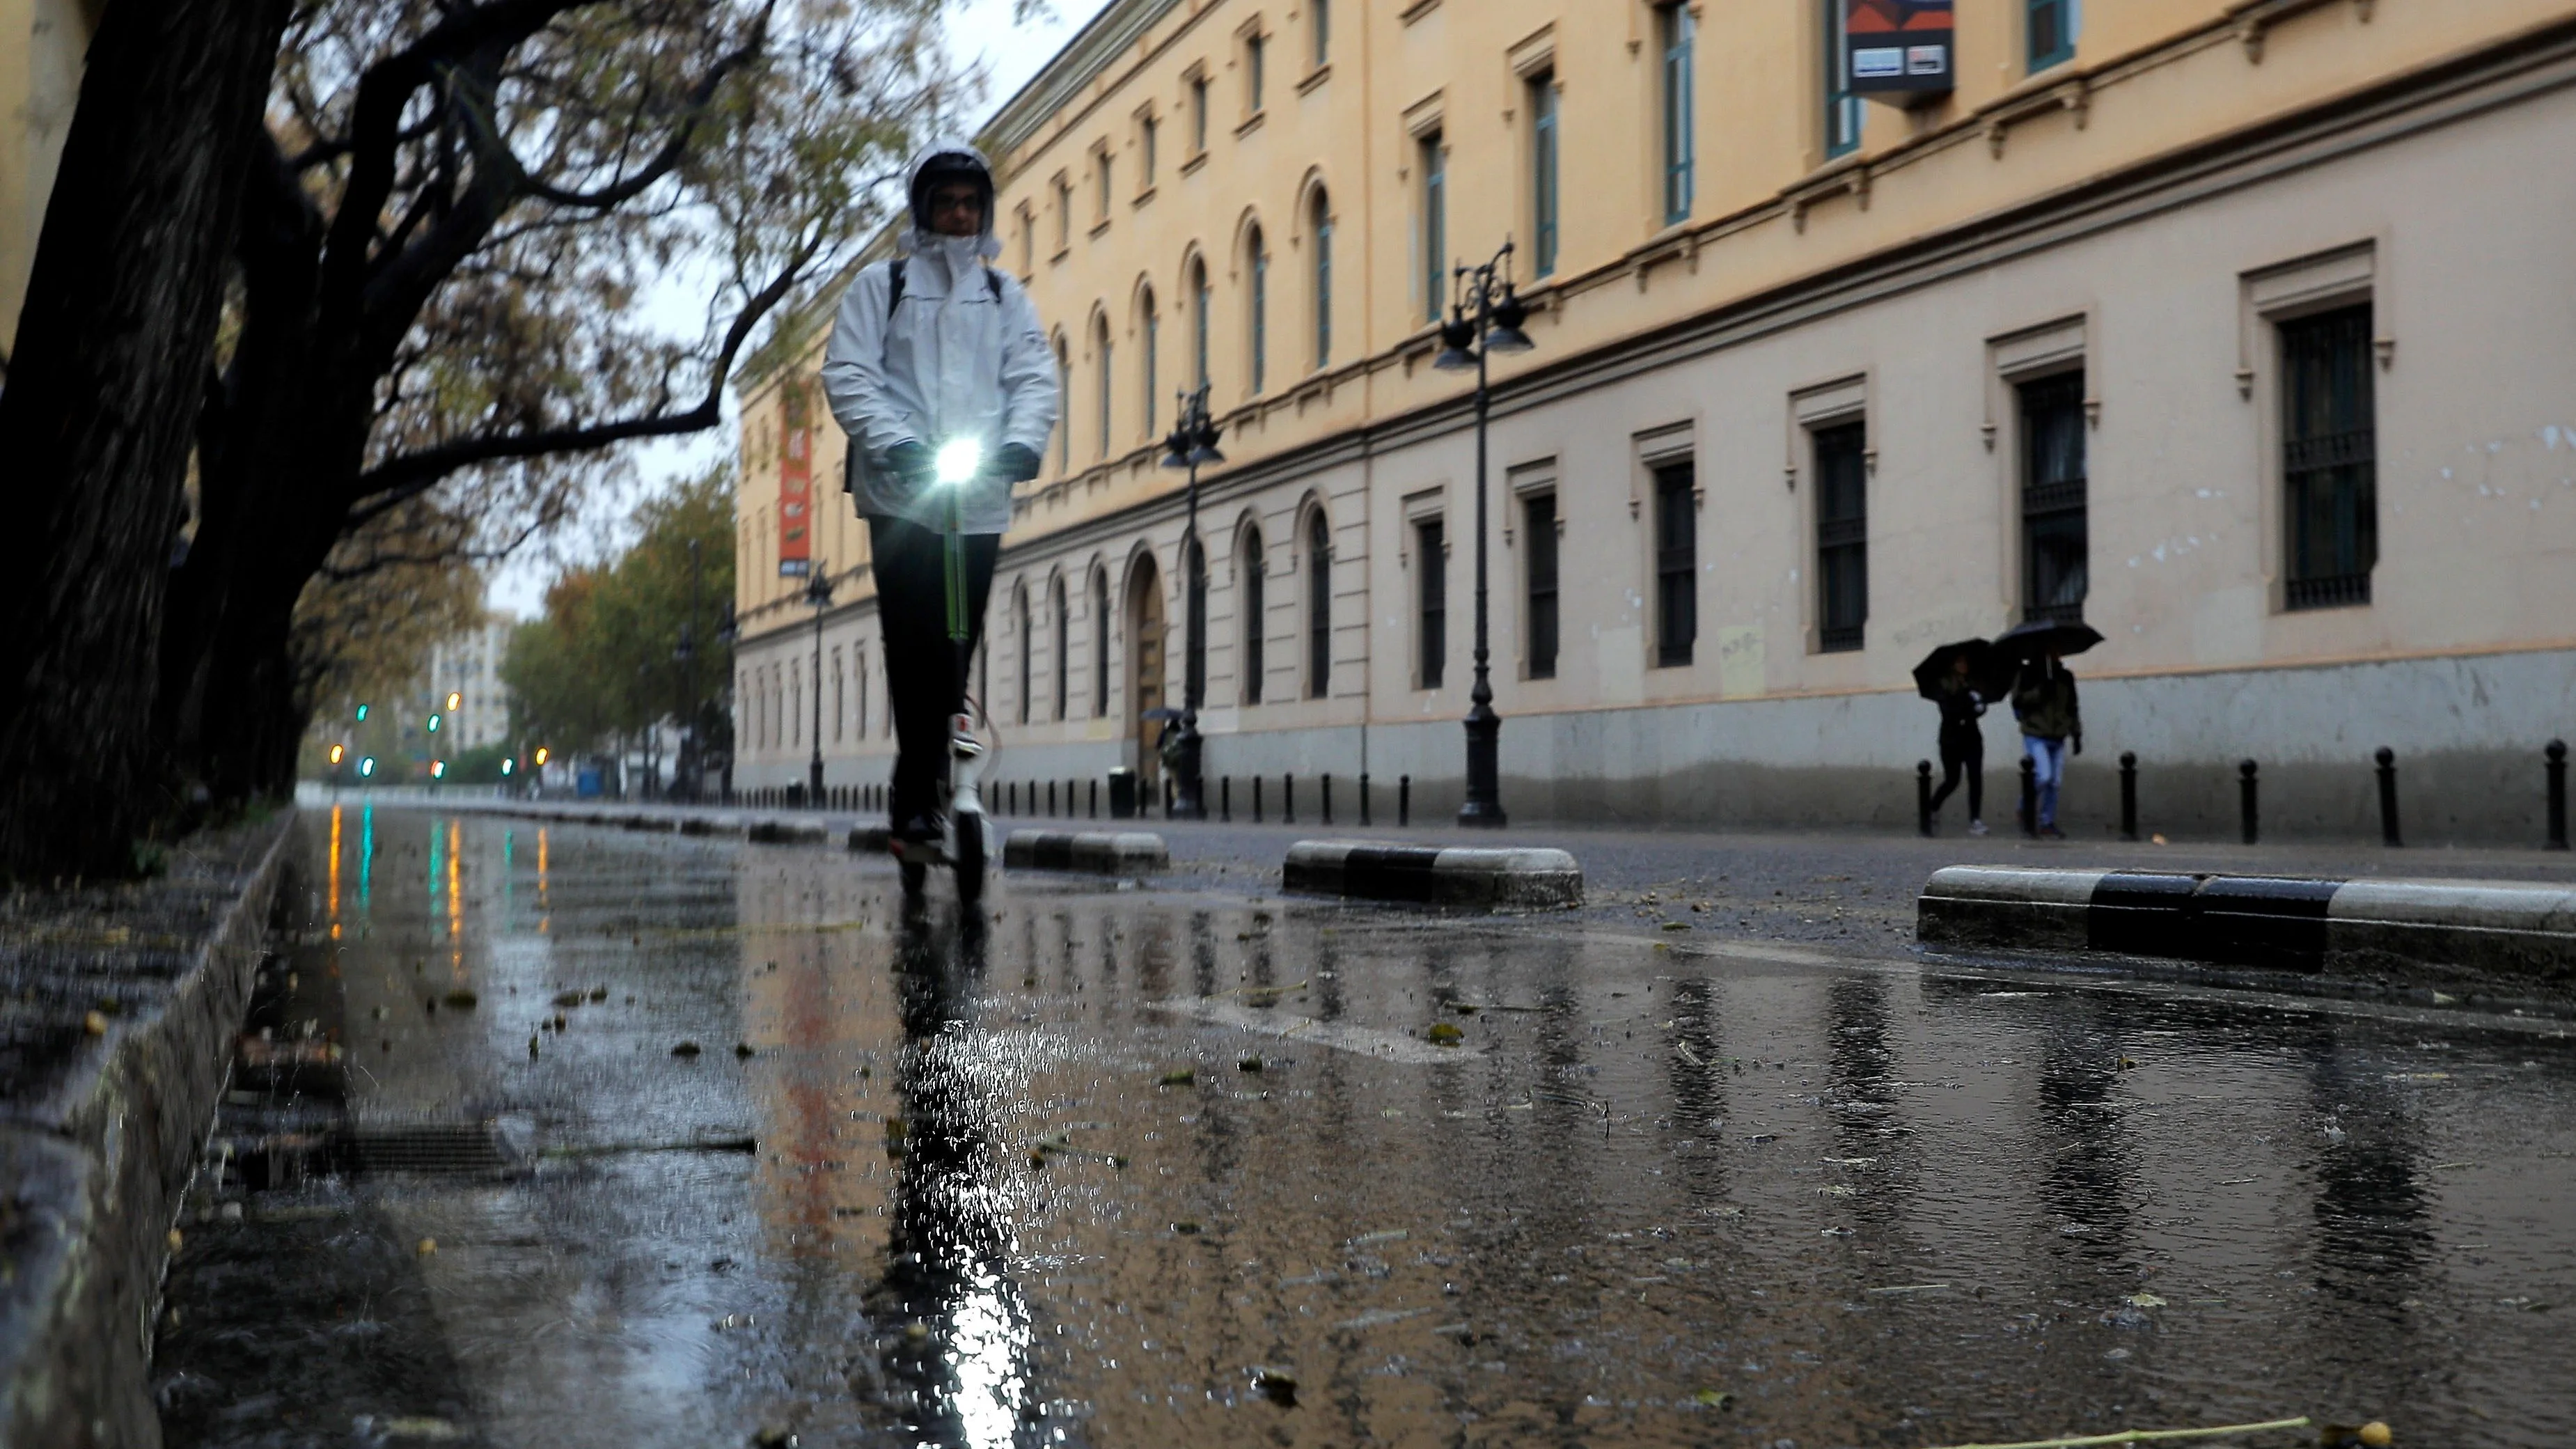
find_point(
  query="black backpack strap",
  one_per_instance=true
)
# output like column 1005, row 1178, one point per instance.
column 894, row 285
column 993, row 283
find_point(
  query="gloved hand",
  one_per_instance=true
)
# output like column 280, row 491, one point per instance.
column 912, row 464
column 2079, row 744
column 1014, row 463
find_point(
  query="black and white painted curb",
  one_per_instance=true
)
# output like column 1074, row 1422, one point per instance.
column 1458, row 876
column 787, row 832
column 1130, row 852
column 2518, row 930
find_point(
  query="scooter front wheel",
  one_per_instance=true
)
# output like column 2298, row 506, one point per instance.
column 970, row 858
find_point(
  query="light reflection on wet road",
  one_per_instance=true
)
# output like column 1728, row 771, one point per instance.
column 1653, row 1196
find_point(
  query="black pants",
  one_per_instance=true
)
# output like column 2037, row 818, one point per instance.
column 1963, row 755
column 921, row 662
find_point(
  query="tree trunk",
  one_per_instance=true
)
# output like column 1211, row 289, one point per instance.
column 105, row 381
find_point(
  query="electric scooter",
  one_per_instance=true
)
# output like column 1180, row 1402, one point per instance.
column 966, row 844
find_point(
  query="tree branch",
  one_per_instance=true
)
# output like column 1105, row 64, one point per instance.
column 397, row 480
column 673, row 151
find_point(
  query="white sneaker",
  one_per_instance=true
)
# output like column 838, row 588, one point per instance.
column 1976, row 827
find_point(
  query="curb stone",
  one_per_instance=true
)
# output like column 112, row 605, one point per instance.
column 787, row 832
column 1457, row 876
column 94, row 1166
column 1102, row 852
column 2515, row 937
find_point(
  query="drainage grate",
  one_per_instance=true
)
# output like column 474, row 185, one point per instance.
column 436, row 1149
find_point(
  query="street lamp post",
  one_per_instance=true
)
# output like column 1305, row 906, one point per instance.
column 685, row 654
column 1192, row 442
column 1484, row 318
column 818, row 592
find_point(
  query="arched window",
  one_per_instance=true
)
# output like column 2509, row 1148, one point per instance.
column 1322, row 213
column 1202, row 302
column 1100, row 644
column 1194, row 657
column 1151, row 326
column 1028, row 647
column 1251, row 567
column 1108, row 375
column 1319, row 606
column 1064, row 389
column 1063, row 650
column 1257, row 265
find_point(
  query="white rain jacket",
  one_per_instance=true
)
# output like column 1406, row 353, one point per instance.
column 955, row 361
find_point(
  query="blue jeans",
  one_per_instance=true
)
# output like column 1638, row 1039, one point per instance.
column 2047, row 770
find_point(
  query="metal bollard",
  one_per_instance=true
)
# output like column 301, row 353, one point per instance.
column 1923, row 797
column 2557, row 772
column 1167, row 797
column 2388, row 834
column 1225, row 799
column 1050, row 799
column 1403, row 800
column 1287, row 799
column 1256, row 799
column 2246, row 803
column 1364, row 810
column 2029, row 797
column 1095, row 799
column 2128, row 795
column 1328, row 799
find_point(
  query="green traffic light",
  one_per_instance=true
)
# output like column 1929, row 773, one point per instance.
column 362, row 714
column 433, row 724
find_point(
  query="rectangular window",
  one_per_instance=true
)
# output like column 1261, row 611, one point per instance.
column 1198, row 115
column 1063, row 216
column 1538, row 520
column 2052, row 32
column 1145, row 153
column 1842, row 535
column 1028, row 243
column 2055, row 571
column 1543, row 170
column 1435, row 228
column 1431, row 563
column 1104, row 186
column 1681, row 111
column 1676, row 565
column 1842, row 107
column 2330, row 458
column 1253, row 46
column 1323, row 13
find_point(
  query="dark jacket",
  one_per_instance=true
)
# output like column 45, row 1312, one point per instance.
column 2044, row 700
column 1960, row 710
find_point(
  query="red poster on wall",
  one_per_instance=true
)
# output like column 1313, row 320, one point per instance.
column 1897, row 45
column 796, row 488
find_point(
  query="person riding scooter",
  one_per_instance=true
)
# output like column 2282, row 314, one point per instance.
column 937, row 359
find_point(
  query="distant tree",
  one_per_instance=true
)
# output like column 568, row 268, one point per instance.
column 367, row 634
column 604, row 657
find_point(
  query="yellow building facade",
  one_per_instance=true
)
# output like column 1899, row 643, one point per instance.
column 2237, row 330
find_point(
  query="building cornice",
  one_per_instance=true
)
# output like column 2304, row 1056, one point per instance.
column 1091, row 51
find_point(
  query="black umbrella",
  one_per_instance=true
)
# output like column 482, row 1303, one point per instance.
column 1161, row 712
column 2039, row 638
column 1989, row 672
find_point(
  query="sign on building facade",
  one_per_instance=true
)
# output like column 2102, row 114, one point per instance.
column 796, row 486
column 1897, row 45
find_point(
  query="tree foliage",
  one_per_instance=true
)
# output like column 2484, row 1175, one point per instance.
column 457, row 262
column 605, row 658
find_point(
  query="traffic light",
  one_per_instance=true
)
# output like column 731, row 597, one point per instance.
column 453, row 700
column 506, row 763
column 362, row 714
column 542, row 753
column 367, row 767
column 337, row 751
column 438, row 769
column 433, row 724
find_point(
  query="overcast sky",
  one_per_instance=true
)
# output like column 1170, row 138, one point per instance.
column 983, row 29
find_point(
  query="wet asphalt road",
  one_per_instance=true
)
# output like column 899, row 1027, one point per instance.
column 1138, row 1167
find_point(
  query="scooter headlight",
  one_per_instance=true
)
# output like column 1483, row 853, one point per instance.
column 960, row 461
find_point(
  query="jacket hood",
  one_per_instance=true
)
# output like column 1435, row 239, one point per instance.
column 947, row 155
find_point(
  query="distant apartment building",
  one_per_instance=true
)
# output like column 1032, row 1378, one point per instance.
column 468, row 666
column 2238, row 329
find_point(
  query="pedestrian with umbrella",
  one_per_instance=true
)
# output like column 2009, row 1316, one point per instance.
column 2044, row 701
column 1961, row 679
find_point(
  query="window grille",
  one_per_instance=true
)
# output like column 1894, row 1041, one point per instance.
column 1842, row 536
column 2330, row 458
